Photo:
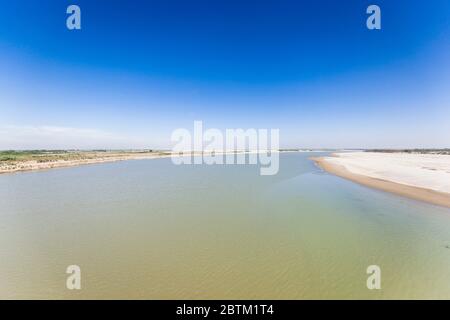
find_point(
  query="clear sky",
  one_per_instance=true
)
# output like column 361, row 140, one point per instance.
column 139, row 69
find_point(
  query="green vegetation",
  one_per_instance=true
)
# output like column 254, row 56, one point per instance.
column 9, row 157
column 417, row 151
column 38, row 155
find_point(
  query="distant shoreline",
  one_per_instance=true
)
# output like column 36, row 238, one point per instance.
column 74, row 159
column 25, row 161
column 339, row 167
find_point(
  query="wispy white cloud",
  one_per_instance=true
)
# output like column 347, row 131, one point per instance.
column 55, row 137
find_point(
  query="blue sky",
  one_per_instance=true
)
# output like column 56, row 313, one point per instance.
column 137, row 70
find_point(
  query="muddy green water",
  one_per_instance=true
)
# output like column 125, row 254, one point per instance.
column 150, row 229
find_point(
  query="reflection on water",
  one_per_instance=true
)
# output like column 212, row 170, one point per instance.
column 149, row 229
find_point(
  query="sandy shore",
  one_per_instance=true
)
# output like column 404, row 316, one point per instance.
column 49, row 160
column 91, row 158
column 424, row 177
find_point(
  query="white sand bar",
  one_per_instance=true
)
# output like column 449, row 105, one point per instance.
column 428, row 171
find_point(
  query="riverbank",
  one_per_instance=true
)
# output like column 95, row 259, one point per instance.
column 424, row 177
column 32, row 160
column 17, row 161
